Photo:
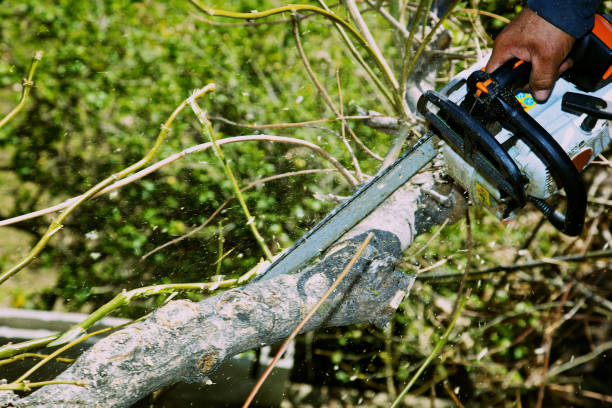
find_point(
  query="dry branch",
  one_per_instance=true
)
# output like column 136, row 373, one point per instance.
column 187, row 341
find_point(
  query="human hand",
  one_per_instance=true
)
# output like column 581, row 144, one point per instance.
column 531, row 38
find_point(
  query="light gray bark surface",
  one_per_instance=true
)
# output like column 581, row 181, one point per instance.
column 186, row 341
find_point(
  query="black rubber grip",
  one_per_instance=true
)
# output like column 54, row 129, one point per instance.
column 472, row 141
column 513, row 74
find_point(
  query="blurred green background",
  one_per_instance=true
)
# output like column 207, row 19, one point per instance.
column 114, row 70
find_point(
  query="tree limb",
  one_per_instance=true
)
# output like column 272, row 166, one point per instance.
column 187, row 341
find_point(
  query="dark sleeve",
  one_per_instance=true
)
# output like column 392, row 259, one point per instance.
column 575, row 17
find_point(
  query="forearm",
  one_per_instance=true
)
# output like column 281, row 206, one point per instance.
column 575, row 17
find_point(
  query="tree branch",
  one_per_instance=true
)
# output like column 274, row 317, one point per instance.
column 187, row 341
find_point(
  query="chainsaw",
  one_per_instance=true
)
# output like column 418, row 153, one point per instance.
column 501, row 146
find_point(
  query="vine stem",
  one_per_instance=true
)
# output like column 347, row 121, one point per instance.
column 23, row 356
column 123, row 299
column 384, row 66
column 409, row 64
column 376, row 83
column 292, row 124
column 126, row 297
column 230, row 174
column 327, row 99
column 27, row 85
column 519, row 266
column 484, row 13
column 24, row 376
column 27, row 386
column 56, row 224
column 408, row 46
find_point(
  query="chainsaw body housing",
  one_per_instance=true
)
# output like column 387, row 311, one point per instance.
column 581, row 145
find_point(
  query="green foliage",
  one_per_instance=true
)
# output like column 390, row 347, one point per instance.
column 112, row 72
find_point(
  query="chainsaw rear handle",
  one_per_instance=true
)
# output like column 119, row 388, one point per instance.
column 513, row 74
column 592, row 56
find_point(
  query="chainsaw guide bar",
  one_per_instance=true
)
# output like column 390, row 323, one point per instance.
column 500, row 145
column 351, row 211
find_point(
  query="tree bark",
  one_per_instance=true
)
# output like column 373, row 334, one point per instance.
column 187, row 341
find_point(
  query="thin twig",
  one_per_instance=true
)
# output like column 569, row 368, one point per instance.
column 194, row 149
column 23, row 356
column 388, row 360
column 432, row 238
column 477, row 23
column 409, row 64
column 27, row 386
column 122, row 299
column 407, row 50
column 431, row 356
column 126, row 297
column 369, row 38
column 56, row 224
column 532, row 234
column 468, row 262
column 251, row 23
column 425, row 17
column 26, row 86
column 384, row 95
column 585, row 393
column 293, row 8
column 547, row 345
column 292, row 124
column 60, row 350
column 387, row 16
column 452, row 395
column 345, row 128
column 484, row 13
column 250, row 220
column 306, row 319
column 219, row 250
column 526, row 265
column 326, row 97
column 226, row 202
column 582, row 288
column 602, row 160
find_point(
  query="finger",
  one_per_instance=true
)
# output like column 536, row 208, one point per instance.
column 502, row 51
column 496, row 60
column 542, row 79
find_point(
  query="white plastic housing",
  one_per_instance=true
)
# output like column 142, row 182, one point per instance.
column 564, row 127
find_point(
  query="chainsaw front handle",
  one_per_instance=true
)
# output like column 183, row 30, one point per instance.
column 495, row 94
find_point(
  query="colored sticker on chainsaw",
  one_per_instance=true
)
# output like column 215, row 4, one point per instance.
column 526, row 99
column 482, row 194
